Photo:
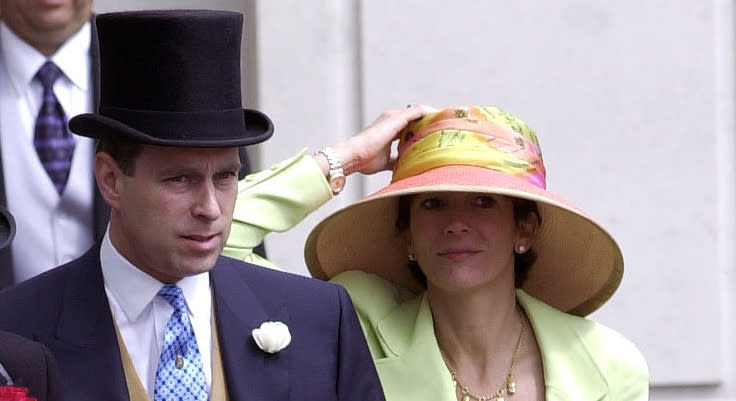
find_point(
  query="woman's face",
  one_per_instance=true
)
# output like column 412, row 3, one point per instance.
column 465, row 240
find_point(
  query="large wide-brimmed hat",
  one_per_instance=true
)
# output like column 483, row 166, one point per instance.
column 172, row 78
column 473, row 149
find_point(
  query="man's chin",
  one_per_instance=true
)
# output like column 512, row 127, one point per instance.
column 201, row 266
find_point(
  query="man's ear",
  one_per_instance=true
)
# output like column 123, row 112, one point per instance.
column 108, row 176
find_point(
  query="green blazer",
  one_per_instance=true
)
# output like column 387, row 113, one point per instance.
column 582, row 359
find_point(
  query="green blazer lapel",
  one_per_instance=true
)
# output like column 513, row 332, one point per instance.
column 413, row 366
column 570, row 372
column 413, row 359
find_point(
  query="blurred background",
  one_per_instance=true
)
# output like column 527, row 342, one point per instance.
column 633, row 101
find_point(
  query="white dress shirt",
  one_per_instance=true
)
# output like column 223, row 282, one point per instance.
column 51, row 229
column 141, row 316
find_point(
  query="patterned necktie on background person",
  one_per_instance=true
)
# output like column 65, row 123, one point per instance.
column 180, row 375
column 54, row 144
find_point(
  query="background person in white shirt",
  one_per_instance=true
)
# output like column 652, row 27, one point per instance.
column 53, row 227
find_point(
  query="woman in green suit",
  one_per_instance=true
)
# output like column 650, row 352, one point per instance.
column 471, row 280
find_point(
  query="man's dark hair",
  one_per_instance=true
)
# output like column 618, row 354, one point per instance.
column 123, row 152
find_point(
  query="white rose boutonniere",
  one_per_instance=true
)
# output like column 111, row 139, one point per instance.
column 272, row 337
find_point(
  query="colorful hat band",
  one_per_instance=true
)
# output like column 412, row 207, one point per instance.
column 482, row 144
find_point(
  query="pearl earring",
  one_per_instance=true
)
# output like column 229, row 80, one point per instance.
column 412, row 258
column 520, row 248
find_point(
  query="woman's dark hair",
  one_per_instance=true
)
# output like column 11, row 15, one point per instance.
column 123, row 152
column 522, row 261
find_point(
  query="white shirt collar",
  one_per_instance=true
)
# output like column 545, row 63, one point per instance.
column 134, row 290
column 23, row 60
column 73, row 57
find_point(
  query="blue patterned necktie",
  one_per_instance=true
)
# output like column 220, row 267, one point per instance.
column 54, row 144
column 180, row 375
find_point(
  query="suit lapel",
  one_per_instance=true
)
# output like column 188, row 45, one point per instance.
column 85, row 338
column 569, row 371
column 250, row 373
column 413, row 359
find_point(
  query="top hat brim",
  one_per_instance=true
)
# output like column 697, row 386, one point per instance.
column 257, row 128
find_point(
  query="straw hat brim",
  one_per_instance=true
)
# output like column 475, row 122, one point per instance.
column 578, row 268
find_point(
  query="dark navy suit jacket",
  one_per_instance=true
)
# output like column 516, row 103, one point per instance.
column 67, row 310
column 30, row 365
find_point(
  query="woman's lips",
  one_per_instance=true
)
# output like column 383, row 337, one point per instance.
column 458, row 253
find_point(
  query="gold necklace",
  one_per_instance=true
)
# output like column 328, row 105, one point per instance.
column 509, row 385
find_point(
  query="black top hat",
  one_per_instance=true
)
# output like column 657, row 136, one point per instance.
column 172, row 78
column 7, row 227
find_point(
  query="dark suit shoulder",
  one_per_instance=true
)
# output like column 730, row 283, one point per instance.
column 277, row 289
column 18, row 353
column 263, row 275
column 31, row 365
column 14, row 346
column 37, row 302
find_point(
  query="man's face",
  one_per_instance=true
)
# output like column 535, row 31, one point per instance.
column 173, row 215
column 45, row 24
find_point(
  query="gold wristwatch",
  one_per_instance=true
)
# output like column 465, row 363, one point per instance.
column 335, row 177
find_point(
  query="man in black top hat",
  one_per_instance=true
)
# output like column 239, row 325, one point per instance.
column 25, row 364
column 153, row 307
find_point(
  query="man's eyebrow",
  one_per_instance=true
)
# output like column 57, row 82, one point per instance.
column 234, row 166
column 178, row 170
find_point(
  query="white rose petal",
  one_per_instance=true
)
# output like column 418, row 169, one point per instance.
column 272, row 337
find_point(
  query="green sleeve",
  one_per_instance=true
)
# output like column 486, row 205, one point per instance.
column 274, row 200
